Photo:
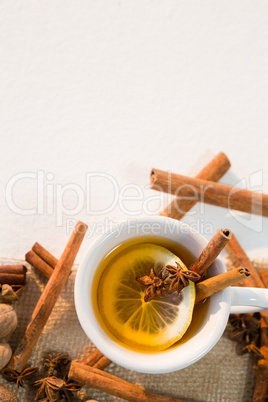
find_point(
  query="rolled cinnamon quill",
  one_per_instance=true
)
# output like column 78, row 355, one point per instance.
column 45, row 255
column 48, row 299
column 210, row 192
column 105, row 382
column 92, row 358
column 217, row 283
column 213, row 171
column 13, row 274
column 238, row 257
column 32, row 258
column 212, row 250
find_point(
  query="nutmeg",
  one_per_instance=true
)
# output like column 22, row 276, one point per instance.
column 6, row 395
column 5, row 354
column 8, row 320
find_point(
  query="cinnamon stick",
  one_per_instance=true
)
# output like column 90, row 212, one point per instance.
column 210, row 192
column 238, row 257
column 217, row 283
column 13, row 274
column 48, row 299
column 213, row 171
column 45, row 255
column 212, row 250
column 96, row 359
column 32, row 258
column 102, row 363
column 92, row 358
column 105, row 382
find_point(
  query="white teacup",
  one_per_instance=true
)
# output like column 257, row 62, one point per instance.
column 214, row 313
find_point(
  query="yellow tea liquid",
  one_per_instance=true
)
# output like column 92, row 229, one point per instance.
column 187, row 258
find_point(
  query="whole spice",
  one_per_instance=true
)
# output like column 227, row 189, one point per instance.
column 8, row 320
column 154, row 284
column 6, row 395
column 246, row 328
column 92, row 358
column 49, row 388
column 179, row 278
column 86, row 375
column 172, row 278
column 45, row 255
column 213, row 171
column 7, row 294
column 210, row 192
column 102, row 363
column 13, row 274
column 238, row 258
column 48, row 299
column 5, row 355
column 16, row 376
column 54, row 362
column 32, row 258
column 212, row 250
column 96, row 359
column 217, row 283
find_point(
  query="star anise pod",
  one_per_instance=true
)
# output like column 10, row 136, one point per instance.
column 55, row 389
column 55, row 361
column 179, row 278
column 12, row 375
column 154, row 284
column 252, row 348
column 49, row 387
column 68, row 388
column 246, row 328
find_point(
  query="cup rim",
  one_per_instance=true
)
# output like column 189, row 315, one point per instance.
column 158, row 362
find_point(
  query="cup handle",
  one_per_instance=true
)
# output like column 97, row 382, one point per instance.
column 248, row 300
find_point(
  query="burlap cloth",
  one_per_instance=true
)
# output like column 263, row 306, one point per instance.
column 219, row 376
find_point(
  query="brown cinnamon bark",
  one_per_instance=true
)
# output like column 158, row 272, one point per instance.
column 13, row 274
column 32, row 258
column 105, row 382
column 102, row 363
column 45, row 255
column 92, row 358
column 212, row 250
column 96, row 359
column 48, row 299
column 210, row 192
column 213, row 171
column 238, row 257
column 217, row 283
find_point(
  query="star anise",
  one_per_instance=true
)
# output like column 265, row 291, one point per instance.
column 246, row 328
column 12, row 375
column 49, row 387
column 246, row 333
column 154, row 284
column 55, row 389
column 252, row 348
column 179, row 278
column 55, row 361
column 68, row 388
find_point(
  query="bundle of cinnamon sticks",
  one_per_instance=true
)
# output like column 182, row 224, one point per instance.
column 203, row 188
column 90, row 370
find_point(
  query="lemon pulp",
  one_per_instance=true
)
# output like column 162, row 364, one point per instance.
column 155, row 325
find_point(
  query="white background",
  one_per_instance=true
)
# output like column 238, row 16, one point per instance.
column 119, row 87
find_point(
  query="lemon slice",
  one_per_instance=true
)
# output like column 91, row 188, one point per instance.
column 151, row 326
